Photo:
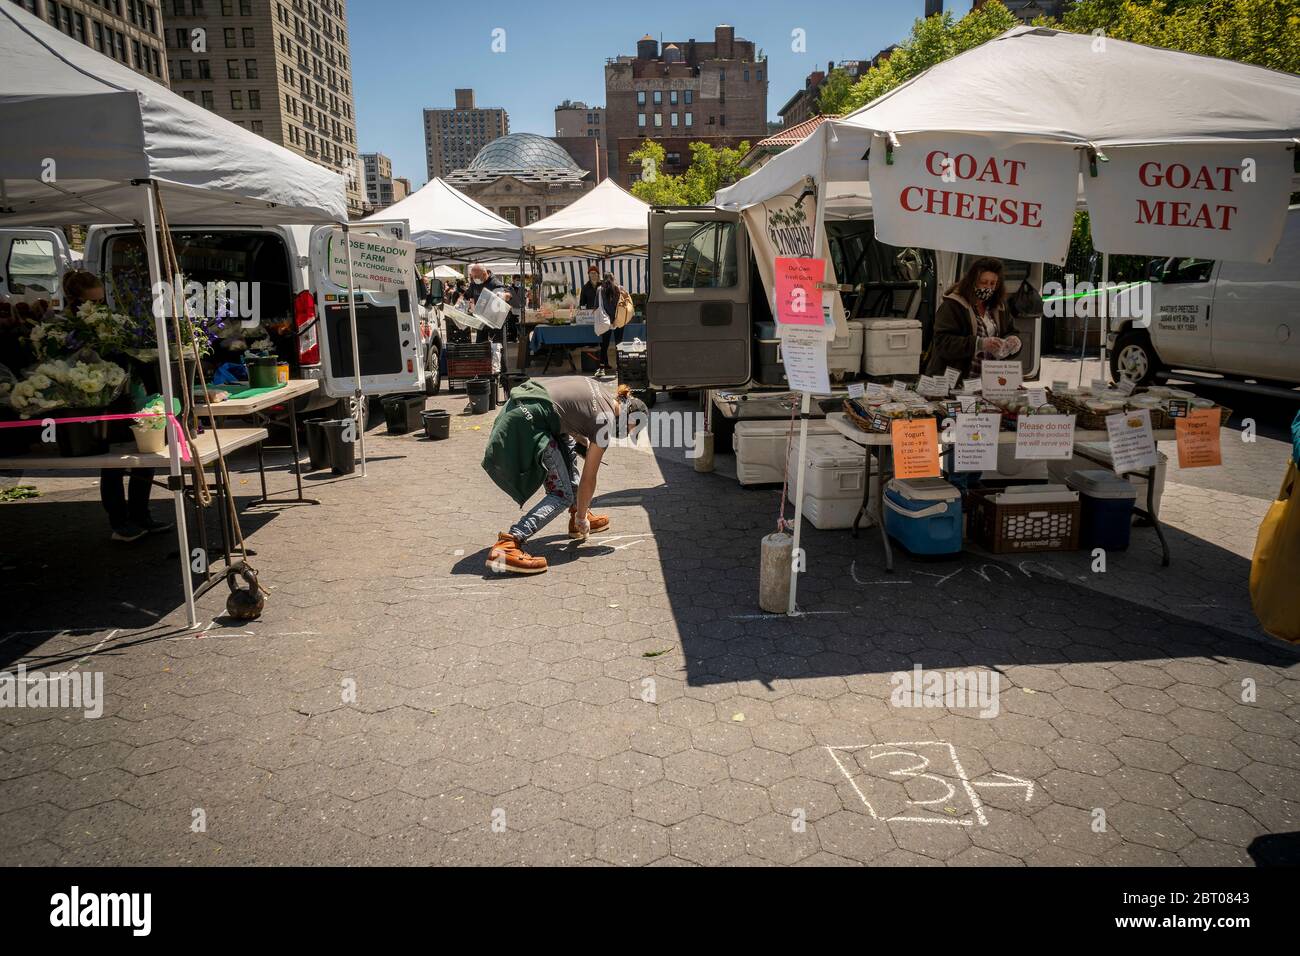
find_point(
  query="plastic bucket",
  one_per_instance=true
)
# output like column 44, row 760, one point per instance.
column 402, row 413
column 263, row 372
column 437, row 425
column 80, row 439
column 318, row 449
column 342, row 458
column 479, row 399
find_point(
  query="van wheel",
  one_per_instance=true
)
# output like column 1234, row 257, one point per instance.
column 1134, row 359
column 432, row 374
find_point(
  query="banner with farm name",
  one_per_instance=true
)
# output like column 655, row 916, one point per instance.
column 996, row 196
column 1207, row 200
column 783, row 228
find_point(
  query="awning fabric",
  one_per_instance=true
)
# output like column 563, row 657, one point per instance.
column 607, row 217
column 444, row 218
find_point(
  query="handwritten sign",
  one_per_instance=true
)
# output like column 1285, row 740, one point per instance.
column 803, row 352
column 1037, row 397
column 934, row 386
column 1001, row 380
column 976, row 442
column 953, row 376
column 1045, row 437
column 856, row 390
column 798, row 300
column 1132, row 443
column 916, row 448
column 1198, row 439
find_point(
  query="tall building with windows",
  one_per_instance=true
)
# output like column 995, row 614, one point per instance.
column 280, row 68
column 714, row 92
column 453, row 137
column 130, row 31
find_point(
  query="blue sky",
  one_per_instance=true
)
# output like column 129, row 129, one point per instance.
column 411, row 54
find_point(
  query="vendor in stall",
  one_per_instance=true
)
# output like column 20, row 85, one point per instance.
column 973, row 324
column 128, row 512
column 532, row 446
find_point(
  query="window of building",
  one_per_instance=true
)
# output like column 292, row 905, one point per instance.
column 248, row 37
column 187, row 73
column 232, row 69
column 254, row 99
column 255, row 126
column 227, row 8
column 673, row 123
column 672, row 97
column 135, row 53
column 760, row 76
column 659, row 97
column 674, row 159
column 188, row 94
column 722, row 76
column 182, row 38
column 208, row 100
column 250, row 69
column 689, row 120
column 178, row 8
column 99, row 34
column 659, row 120
column 640, row 97
column 688, row 97
column 245, row 8
column 532, row 214
column 640, row 120
column 236, row 99
column 205, row 69
column 722, row 120
column 228, row 34
column 747, row 76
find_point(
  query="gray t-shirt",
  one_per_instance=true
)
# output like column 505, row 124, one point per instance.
column 583, row 405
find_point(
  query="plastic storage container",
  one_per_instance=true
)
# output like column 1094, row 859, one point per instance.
column 844, row 354
column 402, row 413
column 1043, row 518
column 1097, row 454
column 760, row 448
column 891, row 346
column 924, row 515
column 832, row 482
column 437, row 424
column 1106, row 509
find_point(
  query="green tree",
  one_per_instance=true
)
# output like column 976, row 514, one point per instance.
column 932, row 40
column 711, row 169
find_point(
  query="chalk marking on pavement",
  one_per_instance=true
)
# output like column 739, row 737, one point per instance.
column 777, row 616
column 853, row 573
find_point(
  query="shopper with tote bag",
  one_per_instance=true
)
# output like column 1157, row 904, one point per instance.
column 1275, row 568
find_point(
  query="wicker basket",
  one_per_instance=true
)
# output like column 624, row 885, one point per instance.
column 1016, row 529
column 853, row 411
column 1160, row 419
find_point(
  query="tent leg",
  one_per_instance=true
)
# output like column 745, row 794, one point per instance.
column 164, row 366
column 795, row 560
column 1104, row 311
column 356, row 352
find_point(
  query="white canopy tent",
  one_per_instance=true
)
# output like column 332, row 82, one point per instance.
column 605, row 221
column 444, row 220
column 1067, row 100
column 89, row 140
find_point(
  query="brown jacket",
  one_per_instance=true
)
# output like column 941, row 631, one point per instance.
column 956, row 335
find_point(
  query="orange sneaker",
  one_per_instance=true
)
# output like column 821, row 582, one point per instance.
column 598, row 523
column 507, row 556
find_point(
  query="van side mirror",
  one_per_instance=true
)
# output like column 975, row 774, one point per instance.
column 1156, row 270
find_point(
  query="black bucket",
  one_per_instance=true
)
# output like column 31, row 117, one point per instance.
column 81, row 439
column 318, row 449
column 479, row 399
column 437, row 424
column 342, row 458
column 402, row 413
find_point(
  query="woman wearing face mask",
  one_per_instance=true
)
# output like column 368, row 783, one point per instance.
column 972, row 324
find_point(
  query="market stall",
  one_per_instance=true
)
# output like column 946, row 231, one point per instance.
column 991, row 153
column 89, row 140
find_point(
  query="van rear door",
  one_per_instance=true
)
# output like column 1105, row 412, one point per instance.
column 697, row 312
column 32, row 266
column 388, row 329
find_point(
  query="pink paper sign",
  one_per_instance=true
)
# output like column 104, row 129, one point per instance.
column 798, row 300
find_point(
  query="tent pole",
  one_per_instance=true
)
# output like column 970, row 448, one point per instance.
column 356, row 351
column 1104, row 311
column 164, row 369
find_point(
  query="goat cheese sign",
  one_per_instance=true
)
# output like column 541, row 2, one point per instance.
column 1210, row 201
column 996, row 196
column 379, row 263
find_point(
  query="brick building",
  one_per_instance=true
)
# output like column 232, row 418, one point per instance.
column 280, row 68
column 687, row 92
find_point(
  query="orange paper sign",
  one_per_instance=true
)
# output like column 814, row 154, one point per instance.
column 916, row 448
column 1198, row 439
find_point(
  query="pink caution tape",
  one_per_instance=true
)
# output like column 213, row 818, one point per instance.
column 176, row 426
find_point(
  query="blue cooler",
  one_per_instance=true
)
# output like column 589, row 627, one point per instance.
column 924, row 515
column 1106, row 509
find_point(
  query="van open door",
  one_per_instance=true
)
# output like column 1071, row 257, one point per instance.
column 698, row 310
column 32, row 265
column 388, row 327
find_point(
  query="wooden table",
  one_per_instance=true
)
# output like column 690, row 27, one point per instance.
column 880, row 445
column 258, row 408
column 125, row 456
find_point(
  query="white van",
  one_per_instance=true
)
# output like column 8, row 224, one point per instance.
column 32, row 266
column 303, row 313
column 706, row 301
column 1239, row 320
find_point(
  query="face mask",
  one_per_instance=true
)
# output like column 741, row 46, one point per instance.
column 984, row 294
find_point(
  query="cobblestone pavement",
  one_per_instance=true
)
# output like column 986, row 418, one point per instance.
column 632, row 706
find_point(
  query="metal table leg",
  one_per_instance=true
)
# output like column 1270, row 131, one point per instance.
column 261, row 471
column 881, row 479
column 1155, row 521
column 866, row 489
column 297, row 454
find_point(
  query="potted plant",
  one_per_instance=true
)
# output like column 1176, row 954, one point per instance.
column 150, row 427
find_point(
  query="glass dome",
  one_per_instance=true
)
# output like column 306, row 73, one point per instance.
column 523, row 151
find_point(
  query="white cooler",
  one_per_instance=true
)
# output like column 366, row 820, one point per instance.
column 760, row 448
column 1099, row 453
column 844, row 354
column 832, row 481
column 891, row 346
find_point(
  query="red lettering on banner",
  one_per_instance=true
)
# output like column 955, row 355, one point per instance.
column 1178, row 176
column 1165, row 212
column 902, row 198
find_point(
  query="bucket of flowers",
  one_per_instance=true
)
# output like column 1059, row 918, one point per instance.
column 150, row 426
column 80, row 386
